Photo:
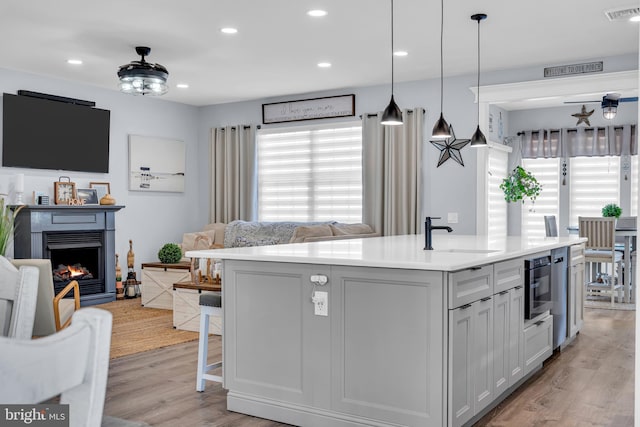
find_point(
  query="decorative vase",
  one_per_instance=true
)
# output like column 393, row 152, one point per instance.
column 107, row 200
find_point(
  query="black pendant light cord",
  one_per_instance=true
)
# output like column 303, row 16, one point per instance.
column 441, row 53
column 391, row 47
column 479, row 71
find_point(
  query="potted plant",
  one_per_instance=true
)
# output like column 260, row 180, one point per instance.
column 7, row 224
column 520, row 184
column 611, row 210
column 170, row 253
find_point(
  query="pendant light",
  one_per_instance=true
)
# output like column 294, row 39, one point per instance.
column 392, row 116
column 441, row 128
column 478, row 139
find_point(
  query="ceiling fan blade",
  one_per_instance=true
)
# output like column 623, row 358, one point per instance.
column 629, row 99
column 580, row 102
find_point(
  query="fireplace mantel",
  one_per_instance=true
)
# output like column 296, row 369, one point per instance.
column 34, row 221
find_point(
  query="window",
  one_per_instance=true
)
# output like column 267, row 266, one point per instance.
column 634, row 186
column 595, row 182
column 310, row 173
column 547, row 203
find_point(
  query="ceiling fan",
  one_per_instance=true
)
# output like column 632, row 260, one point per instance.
column 609, row 103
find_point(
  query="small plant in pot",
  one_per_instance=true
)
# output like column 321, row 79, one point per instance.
column 520, row 184
column 170, row 253
column 611, row 210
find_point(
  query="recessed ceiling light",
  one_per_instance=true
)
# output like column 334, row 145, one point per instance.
column 401, row 53
column 324, row 64
column 182, row 86
column 317, row 13
column 74, row 61
column 229, row 30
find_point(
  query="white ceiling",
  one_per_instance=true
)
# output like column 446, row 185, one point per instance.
column 278, row 46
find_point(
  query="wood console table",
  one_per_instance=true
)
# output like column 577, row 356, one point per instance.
column 186, row 307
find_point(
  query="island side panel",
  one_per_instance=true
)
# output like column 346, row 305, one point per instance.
column 387, row 340
column 275, row 349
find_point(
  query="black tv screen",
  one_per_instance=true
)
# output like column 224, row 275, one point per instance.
column 44, row 134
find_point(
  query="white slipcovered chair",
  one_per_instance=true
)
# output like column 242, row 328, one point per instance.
column 53, row 312
column 72, row 363
column 18, row 293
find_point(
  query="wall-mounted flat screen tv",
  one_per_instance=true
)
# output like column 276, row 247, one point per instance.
column 41, row 133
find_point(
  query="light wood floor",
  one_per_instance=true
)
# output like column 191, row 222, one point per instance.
column 590, row 383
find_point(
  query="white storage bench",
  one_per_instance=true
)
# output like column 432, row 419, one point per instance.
column 186, row 307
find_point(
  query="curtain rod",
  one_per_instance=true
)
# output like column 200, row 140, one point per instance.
column 570, row 129
column 243, row 127
column 375, row 114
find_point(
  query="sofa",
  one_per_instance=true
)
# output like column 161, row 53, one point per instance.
column 256, row 233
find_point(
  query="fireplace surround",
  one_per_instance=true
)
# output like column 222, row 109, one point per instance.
column 79, row 238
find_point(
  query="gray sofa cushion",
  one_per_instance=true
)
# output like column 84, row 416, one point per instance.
column 303, row 232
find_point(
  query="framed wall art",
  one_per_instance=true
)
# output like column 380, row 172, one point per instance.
column 309, row 109
column 156, row 164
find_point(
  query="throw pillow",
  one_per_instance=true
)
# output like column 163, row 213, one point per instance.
column 303, row 231
column 219, row 228
column 346, row 229
column 197, row 241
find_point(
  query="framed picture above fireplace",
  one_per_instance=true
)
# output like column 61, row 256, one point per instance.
column 88, row 195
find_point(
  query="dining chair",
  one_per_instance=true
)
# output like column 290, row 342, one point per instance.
column 72, row 363
column 550, row 226
column 600, row 250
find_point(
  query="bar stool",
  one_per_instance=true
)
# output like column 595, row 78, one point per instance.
column 210, row 304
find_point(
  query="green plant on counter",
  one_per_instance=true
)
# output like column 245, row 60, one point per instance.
column 7, row 225
column 170, row 253
column 520, row 184
column 611, row 210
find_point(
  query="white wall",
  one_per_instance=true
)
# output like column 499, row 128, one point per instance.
column 149, row 219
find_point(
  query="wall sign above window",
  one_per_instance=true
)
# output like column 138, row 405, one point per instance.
column 565, row 70
column 309, row 109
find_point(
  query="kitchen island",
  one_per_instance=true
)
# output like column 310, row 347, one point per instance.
column 378, row 331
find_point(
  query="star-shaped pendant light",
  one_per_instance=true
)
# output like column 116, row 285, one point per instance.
column 450, row 148
column 583, row 116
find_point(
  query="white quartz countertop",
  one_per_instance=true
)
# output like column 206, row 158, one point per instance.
column 450, row 252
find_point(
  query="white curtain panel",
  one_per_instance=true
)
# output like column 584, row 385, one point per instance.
column 233, row 173
column 391, row 173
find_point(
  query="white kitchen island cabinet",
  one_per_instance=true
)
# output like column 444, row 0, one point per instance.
column 408, row 337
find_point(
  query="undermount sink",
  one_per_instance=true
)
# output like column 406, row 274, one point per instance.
column 467, row 251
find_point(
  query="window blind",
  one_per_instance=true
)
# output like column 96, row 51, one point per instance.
column 496, row 205
column 547, row 203
column 595, row 182
column 310, row 174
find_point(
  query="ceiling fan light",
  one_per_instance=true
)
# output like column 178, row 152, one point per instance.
column 142, row 77
column 441, row 129
column 391, row 116
column 478, row 139
column 609, row 112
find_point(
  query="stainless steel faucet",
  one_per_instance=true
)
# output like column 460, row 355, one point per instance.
column 427, row 231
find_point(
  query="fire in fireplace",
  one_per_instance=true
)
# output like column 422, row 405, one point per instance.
column 64, row 273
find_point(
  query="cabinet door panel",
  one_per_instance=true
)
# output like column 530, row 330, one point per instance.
column 483, row 353
column 460, row 365
column 501, row 336
column 516, row 335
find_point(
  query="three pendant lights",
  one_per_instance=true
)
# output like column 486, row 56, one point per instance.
column 392, row 115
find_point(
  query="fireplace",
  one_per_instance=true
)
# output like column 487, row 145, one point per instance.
column 79, row 241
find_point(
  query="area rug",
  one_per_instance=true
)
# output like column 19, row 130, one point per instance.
column 137, row 328
column 605, row 303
